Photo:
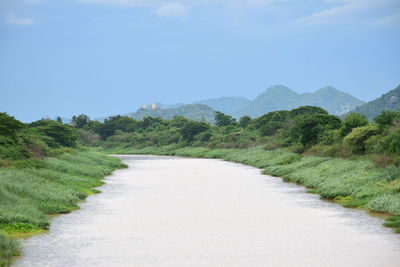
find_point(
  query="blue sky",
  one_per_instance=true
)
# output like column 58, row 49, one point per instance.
column 105, row 57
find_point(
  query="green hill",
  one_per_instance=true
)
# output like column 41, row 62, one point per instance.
column 196, row 112
column 282, row 98
column 274, row 98
column 228, row 105
column 334, row 101
column 388, row 101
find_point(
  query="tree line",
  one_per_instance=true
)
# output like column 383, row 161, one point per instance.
column 306, row 129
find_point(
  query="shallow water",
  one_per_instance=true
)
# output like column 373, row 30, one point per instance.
column 167, row 211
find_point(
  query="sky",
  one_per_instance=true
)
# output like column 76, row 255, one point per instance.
column 107, row 57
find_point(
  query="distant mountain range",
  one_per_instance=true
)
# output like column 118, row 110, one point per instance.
column 196, row 112
column 388, row 101
column 274, row 98
column 282, row 98
column 228, row 105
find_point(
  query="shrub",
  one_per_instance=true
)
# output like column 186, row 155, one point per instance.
column 356, row 140
column 387, row 118
column 351, row 121
column 58, row 134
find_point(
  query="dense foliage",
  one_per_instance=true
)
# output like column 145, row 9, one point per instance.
column 37, row 178
column 37, row 139
column 307, row 129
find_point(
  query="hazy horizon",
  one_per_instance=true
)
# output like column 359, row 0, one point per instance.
column 165, row 104
column 105, row 57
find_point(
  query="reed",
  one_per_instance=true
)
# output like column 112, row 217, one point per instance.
column 29, row 192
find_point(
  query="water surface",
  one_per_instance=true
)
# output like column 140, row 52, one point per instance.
column 178, row 212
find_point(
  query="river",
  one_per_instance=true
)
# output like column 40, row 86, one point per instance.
column 180, row 212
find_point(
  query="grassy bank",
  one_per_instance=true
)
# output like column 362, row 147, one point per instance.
column 34, row 188
column 354, row 183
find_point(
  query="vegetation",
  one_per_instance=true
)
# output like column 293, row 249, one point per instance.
column 388, row 101
column 351, row 160
column 42, row 171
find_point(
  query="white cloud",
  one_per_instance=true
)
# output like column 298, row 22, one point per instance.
column 332, row 15
column 331, row 12
column 345, row 11
column 172, row 10
column 11, row 19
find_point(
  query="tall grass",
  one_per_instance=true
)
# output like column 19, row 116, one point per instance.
column 9, row 248
column 54, row 186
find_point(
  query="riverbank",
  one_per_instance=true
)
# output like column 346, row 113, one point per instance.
column 180, row 212
column 353, row 183
column 30, row 190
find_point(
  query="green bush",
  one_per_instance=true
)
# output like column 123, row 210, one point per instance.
column 351, row 121
column 57, row 134
column 356, row 141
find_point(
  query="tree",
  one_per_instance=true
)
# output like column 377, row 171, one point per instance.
column 112, row 124
column 224, row 120
column 151, row 123
column 9, row 126
column 10, row 146
column 308, row 110
column 59, row 119
column 387, row 118
column 80, row 121
column 93, row 126
column 311, row 127
column 178, row 122
column 244, row 121
column 356, row 140
column 268, row 124
column 351, row 121
column 193, row 128
column 56, row 134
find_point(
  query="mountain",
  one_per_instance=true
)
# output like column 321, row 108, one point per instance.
column 274, row 98
column 334, row 101
column 277, row 97
column 196, row 112
column 280, row 97
column 388, row 101
column 227, row 105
